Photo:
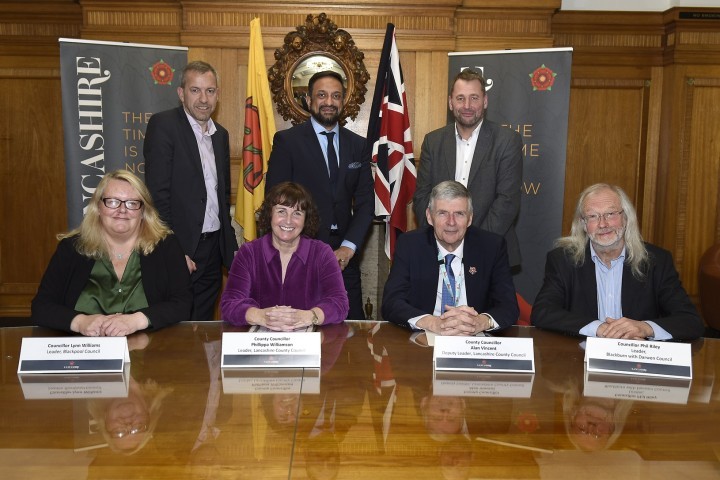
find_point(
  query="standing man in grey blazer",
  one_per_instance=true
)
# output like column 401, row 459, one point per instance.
column 187, row 170
column 482, row 155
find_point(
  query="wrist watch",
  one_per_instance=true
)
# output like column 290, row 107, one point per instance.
column 491, row 322
column 315, row 319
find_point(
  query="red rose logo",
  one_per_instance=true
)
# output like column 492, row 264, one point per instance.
column 542, row 78
column 162, row 73
column 252, row 153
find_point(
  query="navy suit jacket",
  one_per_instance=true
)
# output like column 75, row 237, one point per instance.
column 411, row 288
column 297, row 157
column 567, row 300
column 494, row 181
column 173, row 174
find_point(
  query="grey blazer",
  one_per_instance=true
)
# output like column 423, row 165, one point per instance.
column 494, row 182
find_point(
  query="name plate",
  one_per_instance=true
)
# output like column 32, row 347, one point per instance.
column 637, row 357
column 481, row 384
column 631, row 387
column 271, row 381
column 488, row 354
column 38, row 386
column 73, row 355
column 270, row 349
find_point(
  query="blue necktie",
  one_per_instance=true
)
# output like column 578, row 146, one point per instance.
column 332, row 157
column 448, row 295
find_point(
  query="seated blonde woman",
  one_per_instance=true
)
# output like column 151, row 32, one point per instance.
column 122, row 270
column 285, row 280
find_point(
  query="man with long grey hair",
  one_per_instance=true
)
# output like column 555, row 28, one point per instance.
column 603, row 280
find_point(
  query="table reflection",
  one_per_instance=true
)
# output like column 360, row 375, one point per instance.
column 373, row 409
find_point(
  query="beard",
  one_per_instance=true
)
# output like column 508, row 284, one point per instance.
column 474, row 122
column 325, row 120
column 608, row 244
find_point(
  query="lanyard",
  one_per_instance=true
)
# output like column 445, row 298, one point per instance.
column 459, row 279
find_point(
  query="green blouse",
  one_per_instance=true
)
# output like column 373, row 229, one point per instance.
column 105, row 294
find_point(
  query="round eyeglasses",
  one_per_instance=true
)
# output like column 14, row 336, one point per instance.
column 129, row 204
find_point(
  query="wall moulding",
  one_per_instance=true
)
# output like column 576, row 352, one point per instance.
column 47, row 19
column 38, row 30
column 409, row 19
column 609, row 83
column 466, row 43
column 499, row 22
column 150, row 18
column 694, row 47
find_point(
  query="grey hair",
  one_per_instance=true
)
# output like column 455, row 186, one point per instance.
column 450, row 190
column 636, row 254
column 200, row 67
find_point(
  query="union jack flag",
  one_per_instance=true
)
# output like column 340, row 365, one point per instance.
column 389, row 138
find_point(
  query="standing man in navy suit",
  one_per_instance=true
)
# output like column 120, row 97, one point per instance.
column 328, row 161
column 187, row 169
column 450, row 278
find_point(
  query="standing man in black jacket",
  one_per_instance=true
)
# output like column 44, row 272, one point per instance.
column 187, row 169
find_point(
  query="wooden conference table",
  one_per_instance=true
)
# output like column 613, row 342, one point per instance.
column 374, row 411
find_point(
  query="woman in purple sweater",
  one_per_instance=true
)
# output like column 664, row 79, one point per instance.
column 285, row 280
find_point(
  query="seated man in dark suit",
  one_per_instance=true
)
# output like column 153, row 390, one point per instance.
column 450, row 278
column 603, row 280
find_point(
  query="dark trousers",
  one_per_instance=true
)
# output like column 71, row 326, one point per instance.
column 207, row 279
column 353, row 284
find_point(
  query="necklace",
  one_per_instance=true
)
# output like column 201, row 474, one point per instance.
column 120, row 256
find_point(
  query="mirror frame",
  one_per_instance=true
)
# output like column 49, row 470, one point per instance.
column 319, row 36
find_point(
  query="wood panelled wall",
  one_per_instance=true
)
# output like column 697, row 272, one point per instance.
column 644, row 106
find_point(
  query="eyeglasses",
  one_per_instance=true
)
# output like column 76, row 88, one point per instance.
column 608, row 217
column 123, row 432
column 129, row 204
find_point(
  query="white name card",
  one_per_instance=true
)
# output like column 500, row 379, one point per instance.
column 638, row 388
column 270, row 349
column 638, row 357
column 73, row 355
column 481, row 384
column 271, row 381
column 487, row 354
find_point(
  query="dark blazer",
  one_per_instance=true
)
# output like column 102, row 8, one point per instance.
column 567, row 300
column 165, row 279
column 297, row 157
column 173, row 173
column 411, row 288
column 494, row 181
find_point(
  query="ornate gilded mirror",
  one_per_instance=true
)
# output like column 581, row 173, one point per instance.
column 316, row 46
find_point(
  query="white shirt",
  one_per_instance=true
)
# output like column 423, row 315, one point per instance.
column 323, row 139
column 609, row 296
column 464, row 151
column 461, row 292
column 211, row 223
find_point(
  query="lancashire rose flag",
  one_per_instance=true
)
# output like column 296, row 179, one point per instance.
column 257, row 136
column 109, row 91
column 389, row 137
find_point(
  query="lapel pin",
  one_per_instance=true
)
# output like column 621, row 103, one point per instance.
column 472, row 270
